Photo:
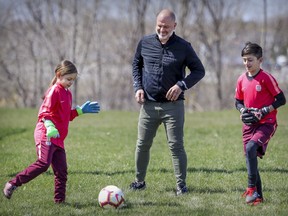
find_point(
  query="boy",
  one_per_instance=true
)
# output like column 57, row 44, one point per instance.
column 257, row 99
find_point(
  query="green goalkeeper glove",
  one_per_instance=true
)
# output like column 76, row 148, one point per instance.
column 51, row 130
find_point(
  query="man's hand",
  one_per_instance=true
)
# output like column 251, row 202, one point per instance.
column 51, row 130
column 139, row 96
column 88, row 107
column 173, row 93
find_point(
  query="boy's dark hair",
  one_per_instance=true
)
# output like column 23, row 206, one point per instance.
column 252, row 49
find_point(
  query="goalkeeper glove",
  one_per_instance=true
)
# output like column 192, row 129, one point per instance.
column 249, row 118
column 244, row 110
column 51, row 130
column 265, row 110
column 88, row 107
column 260, row 113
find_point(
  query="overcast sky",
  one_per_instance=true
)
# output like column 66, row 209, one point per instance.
column 254, row 9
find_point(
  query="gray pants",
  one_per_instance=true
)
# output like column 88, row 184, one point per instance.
column 152, row 114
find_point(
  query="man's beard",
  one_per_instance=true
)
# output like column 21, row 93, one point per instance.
column 166, row 37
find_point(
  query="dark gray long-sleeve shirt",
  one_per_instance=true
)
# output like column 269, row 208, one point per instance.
column 157, row 67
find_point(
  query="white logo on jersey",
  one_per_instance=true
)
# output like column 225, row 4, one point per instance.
column 258, row 88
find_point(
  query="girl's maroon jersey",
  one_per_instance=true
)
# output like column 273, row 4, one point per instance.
column 57, row 108
column 257, row 92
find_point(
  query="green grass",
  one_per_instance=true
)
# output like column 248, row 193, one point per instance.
column 100, row 151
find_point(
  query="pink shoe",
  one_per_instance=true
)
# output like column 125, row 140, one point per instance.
column 8, row 190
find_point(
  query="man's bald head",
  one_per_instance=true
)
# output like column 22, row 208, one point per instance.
column 167, row 14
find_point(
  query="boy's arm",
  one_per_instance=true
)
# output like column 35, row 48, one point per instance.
column 239, row 104
column 280, row 100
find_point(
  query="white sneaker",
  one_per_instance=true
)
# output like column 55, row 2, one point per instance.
column 8, row 190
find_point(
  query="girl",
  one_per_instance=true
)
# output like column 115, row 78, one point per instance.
column 51, row 130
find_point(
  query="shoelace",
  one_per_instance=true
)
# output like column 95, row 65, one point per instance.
column 249, row 191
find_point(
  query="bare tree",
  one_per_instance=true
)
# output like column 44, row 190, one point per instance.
column 264, row 28
column 128, row 32
column 100, row 36
column 213, row 21
column 184, row 15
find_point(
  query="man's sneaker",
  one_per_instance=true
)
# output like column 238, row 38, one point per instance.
column 8, row 190
column 138, row 185
column 181, row 191
column 250, row 194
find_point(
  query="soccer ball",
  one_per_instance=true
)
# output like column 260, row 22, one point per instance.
column 111, row 197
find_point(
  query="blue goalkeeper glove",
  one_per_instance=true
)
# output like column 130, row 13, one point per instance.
column 88, row 107
column 51, row 130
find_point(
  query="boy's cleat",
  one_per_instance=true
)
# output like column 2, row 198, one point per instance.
column 250, row 194
column 138, row 185
column 181, row 191
column 258, row 201
column 8, row 190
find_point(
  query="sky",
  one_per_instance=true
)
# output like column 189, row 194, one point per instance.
column 254, row 9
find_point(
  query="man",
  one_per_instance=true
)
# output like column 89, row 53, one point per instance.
column 159, row 83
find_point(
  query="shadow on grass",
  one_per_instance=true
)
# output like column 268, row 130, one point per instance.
column 164, row 170
column 206, row 190
column 6, row 132
column 78, row 205
column 100, row 172
column 208, row 170
column 202, row 190
column 243, row 169
column 267, row 189
column 127, row 205
column 161, row 170
column 150, row 203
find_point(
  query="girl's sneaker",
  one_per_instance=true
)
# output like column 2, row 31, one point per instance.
column 8, row 190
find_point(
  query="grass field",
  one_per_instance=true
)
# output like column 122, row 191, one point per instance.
column 100, row 151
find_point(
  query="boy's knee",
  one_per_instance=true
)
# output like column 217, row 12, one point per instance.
column 251, row 149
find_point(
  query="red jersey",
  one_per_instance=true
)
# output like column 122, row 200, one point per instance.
column 257, row 92
column 57, row 108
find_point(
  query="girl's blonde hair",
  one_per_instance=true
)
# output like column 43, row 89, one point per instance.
column 63, row 68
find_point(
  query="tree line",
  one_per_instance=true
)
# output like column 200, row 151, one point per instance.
column 100, row 37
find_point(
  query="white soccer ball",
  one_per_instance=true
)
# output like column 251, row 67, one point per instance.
column 111, row 197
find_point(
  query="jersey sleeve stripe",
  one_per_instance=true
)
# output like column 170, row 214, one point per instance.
column 274, row 83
